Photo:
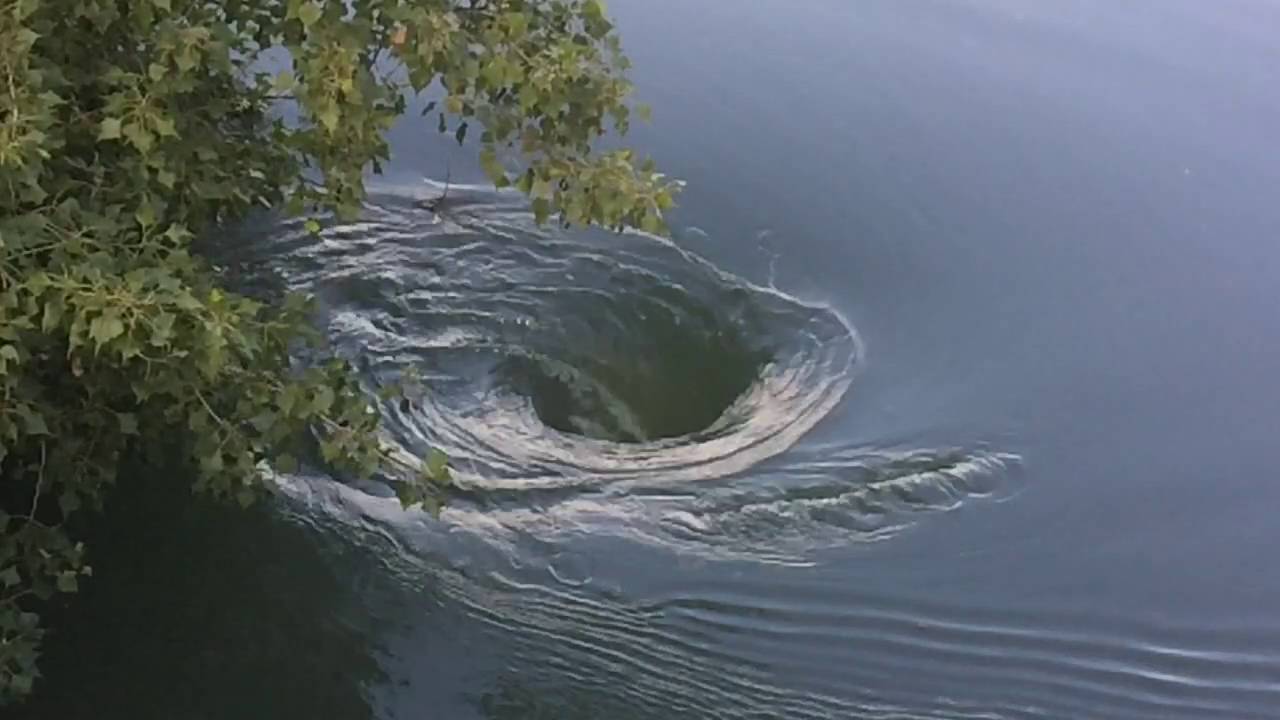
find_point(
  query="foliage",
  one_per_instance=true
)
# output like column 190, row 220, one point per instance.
column 129, row 127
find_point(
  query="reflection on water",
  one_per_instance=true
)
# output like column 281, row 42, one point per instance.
column 535, row 389
column 683, row 494
column 567, row 650
column 521, row 601
column 199, row 610
column 590, row 387
column 584, row 392
column 774, row 642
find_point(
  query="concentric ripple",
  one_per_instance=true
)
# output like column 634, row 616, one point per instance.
column 607, row 383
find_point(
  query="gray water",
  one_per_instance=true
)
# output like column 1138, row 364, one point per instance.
column 948, row 398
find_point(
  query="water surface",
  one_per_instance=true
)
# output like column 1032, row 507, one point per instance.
column 950, row 397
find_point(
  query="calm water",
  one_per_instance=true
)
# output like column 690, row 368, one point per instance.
column 951, row 398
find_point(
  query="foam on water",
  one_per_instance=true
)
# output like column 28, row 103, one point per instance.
column 598, row 383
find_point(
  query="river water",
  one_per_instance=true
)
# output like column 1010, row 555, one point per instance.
column 950, row 397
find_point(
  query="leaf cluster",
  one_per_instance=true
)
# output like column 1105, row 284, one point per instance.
column 128, row 128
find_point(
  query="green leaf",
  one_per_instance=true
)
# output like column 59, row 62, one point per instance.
column 491, row 165
column 286, row 463
column 146, row 215
column 139, row 137
column 312, row 226
column 329, row 117
column 10, row 577
column 106, row 327
column 32, row 421
column 165, row 127
column 178, row 233
column 541, row 210
column 431, row 505
column 322, row 401
column 187, row 59
column 161, row 329
column 109, row 129
column 67, row 582
column 437, row 464
column 309, row 13
column 593, row 9
column 128, row 423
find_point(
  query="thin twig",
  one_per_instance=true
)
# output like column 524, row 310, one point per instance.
column 35, row 500
column 434, row 204
column 212, row 414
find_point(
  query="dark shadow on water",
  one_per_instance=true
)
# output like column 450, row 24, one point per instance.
column 663, row 369
column 199, row 610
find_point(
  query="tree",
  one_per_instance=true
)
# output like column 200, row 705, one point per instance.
column 129, row 127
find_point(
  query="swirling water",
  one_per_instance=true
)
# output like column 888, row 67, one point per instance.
column 958, row 402
column 587, row 386
column 593, row 383
column 568, row 426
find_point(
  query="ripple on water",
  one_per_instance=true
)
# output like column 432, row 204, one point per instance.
column 602, row 385
column 610, row 383
column 787, row 643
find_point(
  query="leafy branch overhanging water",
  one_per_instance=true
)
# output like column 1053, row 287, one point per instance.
column 127, row 129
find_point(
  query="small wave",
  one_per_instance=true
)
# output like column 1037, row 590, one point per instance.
column 571, row 650
column 608, row 383
column 787, row 643
column 602, row 386
column 1016, row 663
column 783, row 515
